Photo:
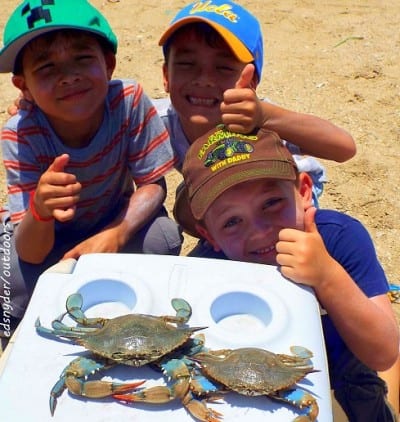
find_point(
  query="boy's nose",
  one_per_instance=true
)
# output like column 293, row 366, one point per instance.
column 205, row 78
column 261, row 225
column 69, row 77
column 69, row 73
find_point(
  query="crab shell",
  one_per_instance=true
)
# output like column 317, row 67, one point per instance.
column 252, row 371
column 135, row 339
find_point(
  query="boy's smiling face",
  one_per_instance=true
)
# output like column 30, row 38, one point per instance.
column 196, row 76
column 67, row 78
column 245, row 220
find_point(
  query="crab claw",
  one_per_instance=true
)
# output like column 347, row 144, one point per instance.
column 182, row 308
column 99, row 389
column 74, row 377
column 161, row 394
column 74, row 306
column 199, row 410
column 302, row 400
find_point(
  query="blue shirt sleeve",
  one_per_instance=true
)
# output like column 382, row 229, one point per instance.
column 350, row 244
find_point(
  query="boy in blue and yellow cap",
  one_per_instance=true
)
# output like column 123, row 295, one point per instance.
column 213, row 53
column 85, row 166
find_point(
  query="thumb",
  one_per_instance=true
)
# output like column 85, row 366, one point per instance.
column 309, row 220
column 246, row 77
column 59, row 163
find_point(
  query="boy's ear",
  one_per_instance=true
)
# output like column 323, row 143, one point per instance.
column 19, row 82
column 305, row 188
column 206, row 235
column 165, row 77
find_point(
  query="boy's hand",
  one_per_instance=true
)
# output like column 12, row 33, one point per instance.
column 106, row 241
column 57, row 191
column 241, row 109
column 302, row 254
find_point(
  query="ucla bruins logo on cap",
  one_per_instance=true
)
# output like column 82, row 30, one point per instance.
column 236, row 25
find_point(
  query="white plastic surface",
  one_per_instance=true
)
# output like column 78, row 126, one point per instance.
column 241, row 304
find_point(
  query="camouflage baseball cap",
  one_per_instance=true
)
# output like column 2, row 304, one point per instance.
column 36, row 17
column 222, row 159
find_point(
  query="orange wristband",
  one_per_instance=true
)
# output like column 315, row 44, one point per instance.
column 34, row 213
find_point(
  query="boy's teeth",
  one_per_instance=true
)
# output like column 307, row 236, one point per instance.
column 264, row 250
column 201, row 101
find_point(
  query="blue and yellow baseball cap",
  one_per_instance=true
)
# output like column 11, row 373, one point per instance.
column 238, row 27
column 36, row 17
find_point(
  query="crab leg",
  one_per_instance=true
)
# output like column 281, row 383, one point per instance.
column 74, row 310
column 60, row 329
column 163, row 394
column 75, row 302
column 302, row 400
column 199, row 410
column 178, row 370
column 80, row 368
column 183, row 311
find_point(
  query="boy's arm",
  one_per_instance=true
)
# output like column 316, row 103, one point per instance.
column 313, row 135
column 53, row 199
column 34, row 239
column 242, row 111
column 143, row 205
column 367, row 325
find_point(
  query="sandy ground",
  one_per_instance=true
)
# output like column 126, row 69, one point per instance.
column 336, row 59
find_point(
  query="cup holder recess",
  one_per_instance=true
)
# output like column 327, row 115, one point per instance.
column 243, row 318
column 235, row 310
column 107, row 297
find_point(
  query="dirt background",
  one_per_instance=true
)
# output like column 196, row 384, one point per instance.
column 337, row 59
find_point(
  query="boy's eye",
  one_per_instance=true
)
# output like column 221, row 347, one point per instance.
column 271, row 203
column 44, row 67
column 226, row 68
column 231, row 222
column 184, row 63
column 85, row 57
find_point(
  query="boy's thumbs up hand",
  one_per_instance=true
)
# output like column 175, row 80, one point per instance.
column 57, row 191
column 241, row 109
column 309, row 220
column 59, row 163
column 246, row 77
column 302, row 254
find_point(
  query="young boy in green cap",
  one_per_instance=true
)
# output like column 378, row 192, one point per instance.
column 245, row 195
column 85, row 166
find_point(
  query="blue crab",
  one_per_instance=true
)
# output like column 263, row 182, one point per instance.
column 133, row 340
column 247, row 371
column 254, row 372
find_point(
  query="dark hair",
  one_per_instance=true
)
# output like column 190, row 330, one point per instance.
column 201, row 30
column 49, row 38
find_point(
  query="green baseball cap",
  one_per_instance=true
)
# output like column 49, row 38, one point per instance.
column 36, row 17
